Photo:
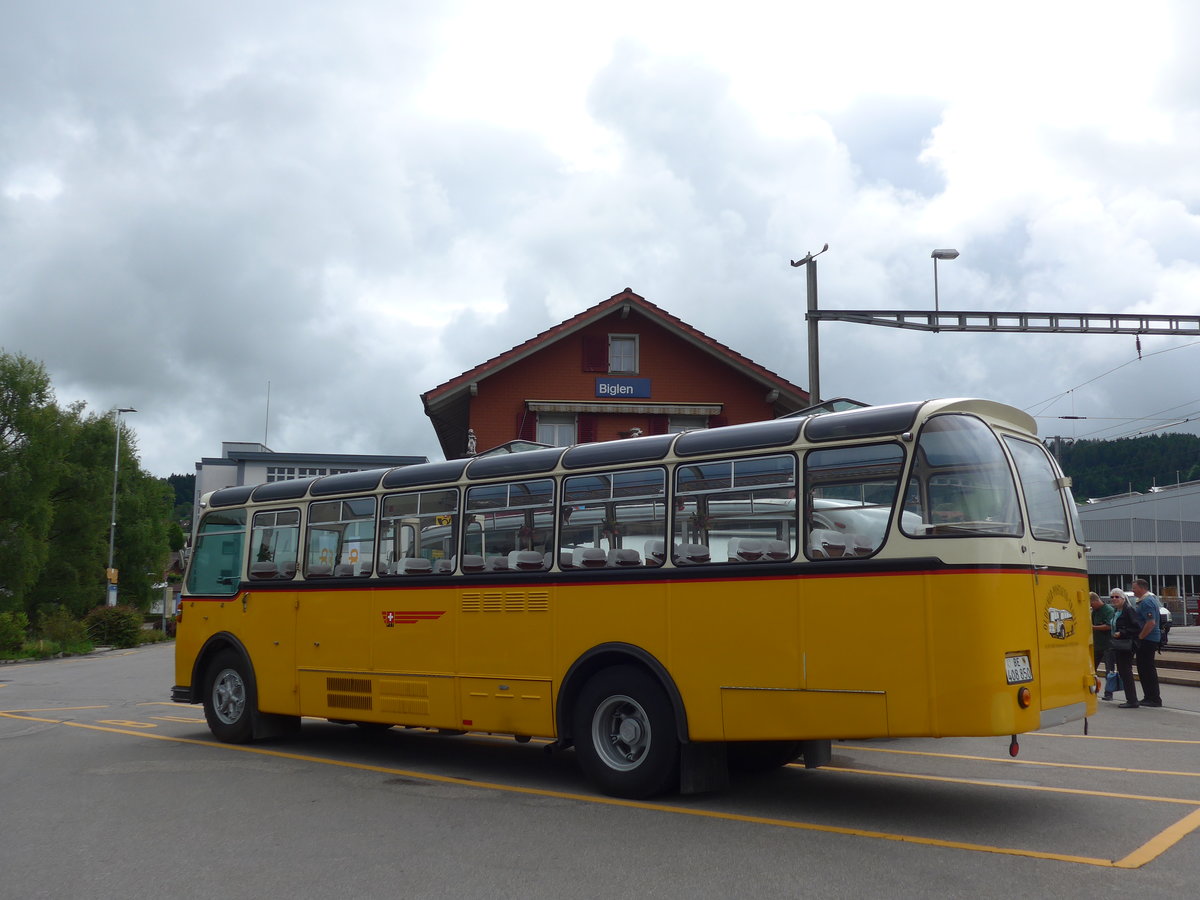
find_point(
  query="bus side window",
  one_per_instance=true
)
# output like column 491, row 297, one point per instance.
column 418, row 533
column 614, row 520
column 341, row 538
column 511, row 525
column 736, row 511
column 274, row 541
column 850, row 495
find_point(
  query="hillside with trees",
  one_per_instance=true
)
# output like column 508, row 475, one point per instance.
column 1104, row 468
column 56, row 482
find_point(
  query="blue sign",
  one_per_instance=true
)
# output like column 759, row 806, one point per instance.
column 623, row 388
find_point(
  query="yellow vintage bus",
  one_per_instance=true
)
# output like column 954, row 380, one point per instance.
column 671, row 606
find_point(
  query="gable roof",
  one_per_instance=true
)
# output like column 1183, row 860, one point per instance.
column 444, row 393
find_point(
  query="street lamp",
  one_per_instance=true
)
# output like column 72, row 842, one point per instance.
column 110, row 591
column 939, row 254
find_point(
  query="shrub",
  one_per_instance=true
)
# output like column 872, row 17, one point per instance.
column 13, row 626
column 57, row 625
column 114, row 626
column 151, row 636
column 40, row 649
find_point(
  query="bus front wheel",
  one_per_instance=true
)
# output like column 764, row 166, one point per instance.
column 228, row 698
column 624, row 733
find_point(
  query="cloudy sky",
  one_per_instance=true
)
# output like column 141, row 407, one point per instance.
column 357, row 201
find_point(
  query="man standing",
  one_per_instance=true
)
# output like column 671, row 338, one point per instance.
column 1103, row 617
column 1148, row 638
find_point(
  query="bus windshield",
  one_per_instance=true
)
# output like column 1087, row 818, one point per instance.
column 960, row 482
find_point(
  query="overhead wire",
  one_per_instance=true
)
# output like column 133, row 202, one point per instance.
column 1188, row 417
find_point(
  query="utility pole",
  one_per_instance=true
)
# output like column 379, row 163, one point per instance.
column 814, row 358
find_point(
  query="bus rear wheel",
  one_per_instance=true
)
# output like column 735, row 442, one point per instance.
column 624, row 733
column 229, row 698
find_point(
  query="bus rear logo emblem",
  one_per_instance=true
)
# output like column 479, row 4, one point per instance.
column 393, row 617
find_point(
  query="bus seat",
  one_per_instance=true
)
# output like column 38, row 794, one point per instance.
column 566, row 559
column 364, row 569
column 777, row 550
column 265, row 569
column 416, row 565
column 318, row 570
column 860, row 544
column 497, row 564
column 747, row 550
column 826, row 543
column 343, row 570
column 289, row 569
column 443, row 567
column 589, row 558
column 690, row 554
column 623, row 557
column 526, row 560
column 656, row 553
column 472, row 563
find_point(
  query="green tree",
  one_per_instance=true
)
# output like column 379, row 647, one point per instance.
column 74, row 575
column 55, row 497
column 30, row 449
column 185, row 490
column 144, row 509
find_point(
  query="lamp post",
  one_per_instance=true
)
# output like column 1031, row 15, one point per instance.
column 939, row 254
column 110, row 590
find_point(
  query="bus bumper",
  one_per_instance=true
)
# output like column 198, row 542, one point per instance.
column 1063, row 714
column 182, row 694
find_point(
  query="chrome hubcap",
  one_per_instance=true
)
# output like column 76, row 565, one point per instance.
column 621, row 732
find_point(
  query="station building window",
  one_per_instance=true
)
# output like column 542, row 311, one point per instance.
column 623, row 353
column 556, row 429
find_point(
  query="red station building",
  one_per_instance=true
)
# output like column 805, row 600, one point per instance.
column 621, row 368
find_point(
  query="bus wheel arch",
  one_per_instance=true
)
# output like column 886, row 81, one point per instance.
column 624, row 715
column 231, row 707
column 229, row 696
column 606, row 656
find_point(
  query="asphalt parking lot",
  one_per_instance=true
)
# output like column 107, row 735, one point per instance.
column 94, row 753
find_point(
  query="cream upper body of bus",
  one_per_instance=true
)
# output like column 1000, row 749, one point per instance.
column 671, row 606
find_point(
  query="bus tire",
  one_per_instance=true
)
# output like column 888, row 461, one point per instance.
column 624, row 734
column 229, row 698
column 748, row 757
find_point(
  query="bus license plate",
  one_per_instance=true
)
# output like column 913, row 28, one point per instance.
column 1018, row 669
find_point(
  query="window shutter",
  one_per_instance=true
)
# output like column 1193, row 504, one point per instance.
column 595, row 353
column 527, row 426
column 587, row 428
column 658, row 424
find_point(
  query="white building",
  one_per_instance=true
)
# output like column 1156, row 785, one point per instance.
column 243, row 463
column 1155, row 536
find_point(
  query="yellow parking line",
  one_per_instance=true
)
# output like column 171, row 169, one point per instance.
column 983, row 782
column 51, row 709
column 1161, row 842
column 1021, row 762
column 1106, row 737
column 1144, row 854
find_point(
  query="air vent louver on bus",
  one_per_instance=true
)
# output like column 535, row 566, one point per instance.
column 348, row 701
column 505, row 601
column 350, row 685
column 348, row 693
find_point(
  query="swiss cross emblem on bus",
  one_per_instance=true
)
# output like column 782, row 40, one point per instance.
column 394, row 617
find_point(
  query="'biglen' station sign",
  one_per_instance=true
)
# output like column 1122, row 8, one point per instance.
column 622, row 388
